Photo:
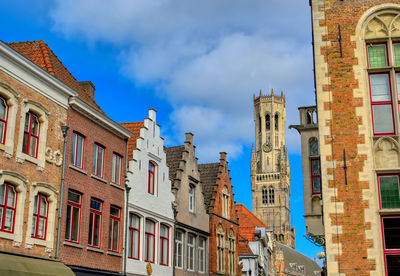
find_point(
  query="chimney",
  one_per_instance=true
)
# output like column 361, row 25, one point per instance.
column 88, row 87
column 189, row 137
column 222, row 156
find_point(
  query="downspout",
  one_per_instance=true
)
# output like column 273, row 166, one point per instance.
column 174, row 208
column 64, row 130
column 127, row 189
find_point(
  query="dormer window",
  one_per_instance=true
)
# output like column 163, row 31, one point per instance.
column 31, row 135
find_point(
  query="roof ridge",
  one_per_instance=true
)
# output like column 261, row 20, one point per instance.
column 44, row 50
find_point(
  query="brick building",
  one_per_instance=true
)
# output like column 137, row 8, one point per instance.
column 224, row 225
column 33, row 109
column 356, row 57
column 192, row 221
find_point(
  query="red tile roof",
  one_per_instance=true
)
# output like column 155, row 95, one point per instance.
column 134, row 127
column 247, row 222
column 243, row 248
column 41, row 54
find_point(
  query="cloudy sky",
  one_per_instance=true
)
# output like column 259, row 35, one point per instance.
column 198, row 63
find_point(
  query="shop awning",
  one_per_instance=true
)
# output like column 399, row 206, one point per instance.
column 14, row 265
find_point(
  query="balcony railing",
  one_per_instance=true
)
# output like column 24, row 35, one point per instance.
column 267, row 177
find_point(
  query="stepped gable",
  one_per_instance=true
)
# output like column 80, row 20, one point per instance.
column 134, row 127
column 247, row 222
column 174, row 157
column 208, row 179
column 41, row 54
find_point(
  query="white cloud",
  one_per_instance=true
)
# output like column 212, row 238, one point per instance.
column 206, row 58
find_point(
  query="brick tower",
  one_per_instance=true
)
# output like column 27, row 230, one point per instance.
column 270, row 170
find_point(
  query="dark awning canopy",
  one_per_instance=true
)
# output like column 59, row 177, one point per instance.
column 14, row 265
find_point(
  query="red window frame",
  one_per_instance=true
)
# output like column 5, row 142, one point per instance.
column 115, row 221
column 387, row 252
column 96, row 214
column 28, row 133
column 376, row 44
column 5, row 208
column 131, row 231
column 162, row 240
column 96, row 164
column 149, row 236
column 4, row 121
column 314, row 176
column 116, row 169
column 74, row 156
column 38, row 216
column 73, row 205
column 151, row 181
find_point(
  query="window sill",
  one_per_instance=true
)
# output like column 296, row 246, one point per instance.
column 389, row 211
column 95, row 249
column 77, row 169
column 118, row 186
column 114, row 254
column 21, row 157
column 73, row 244
column 98, row 178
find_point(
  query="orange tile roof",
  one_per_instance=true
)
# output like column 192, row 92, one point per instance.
column 247, row 222
column 134, row 127
column 41, row 54
column 244, row 249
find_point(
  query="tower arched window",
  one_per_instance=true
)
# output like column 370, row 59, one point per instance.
column 264, row 195
column 271, row 195
column 276, row 119
column 3, row 119
column 268, row 122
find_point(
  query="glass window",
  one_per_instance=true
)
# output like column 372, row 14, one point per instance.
column 40, row 212
column 271, row 195
column 149, row 241
column 73, row 217
column 77, row 150
column 276, row 122
column 191, row 198
column 179, row 249
column 98, row 160
column 389, row 191
column 225, row 202
column 3, row 120
column 190, row 252
column 264, row 195
column 31, row 135
column 95, row 223
column 377, row 55
column 220, row 251
column 8, row 205
column 396, row 52
column 267, row 122
column 202, row 262
column 316, row 176
column 152, row 169
column 164, row 245
column 115, row 217
column 231, row 255
column 391, row 235
column 116, row 169
column 134, row 237
column 314, row 147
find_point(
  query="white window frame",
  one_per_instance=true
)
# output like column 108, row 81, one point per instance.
column 192, row 198
column 202, row 255
column 191, row 256
column 179, row 244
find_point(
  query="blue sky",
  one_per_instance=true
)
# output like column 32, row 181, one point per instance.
column 198, row 63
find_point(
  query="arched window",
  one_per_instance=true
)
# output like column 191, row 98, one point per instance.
column 164, row 244
column 225, row 202
column 152, row 172
column 271, row 195
column 134, row 236
column 31, row 134
column 3, row 120
column 40, row 214
column 268, row 122
column 264, row 195
column 8, row 202
column 276, row 119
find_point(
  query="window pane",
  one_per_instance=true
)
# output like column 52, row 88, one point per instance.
column 100, row 162
column 315, row 167
column 74, row 197
column 43, row 206
column 151, row 247
column 90, row 228
column 393, row 265
column 115, row 234
column 34, row 225
column 114, row 212
column 96, row 231
column 3, row 108
column 149, row 226
column 2, row 130
column 79, row 152
column 75, row 224
column 396, row 50
column 35, row 125
column 164, row 231
column 25, row 143
column 391, row 228
column 68, row 222
column 383, row 120
column 41, row 227
column 96, row 205
column 73, row 148
column 314, row 147
column 113, row 168
column 27, row 121
column 380, row 88
column 9, row 220
column 11, row 197
column 389, row 188
column 2, row 190
column 377, row 56
column 135, row 245
column 316, row 185
column 33, row 146
column 134, row 221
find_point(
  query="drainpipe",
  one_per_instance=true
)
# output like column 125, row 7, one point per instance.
column 174, row 208
column 127, row 189
column 64, row 130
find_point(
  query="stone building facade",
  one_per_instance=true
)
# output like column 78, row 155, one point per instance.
column 224, row 225
column 33, row 109
column 150, row 214
column 192, row 220
column 270, row 169
column 356, row 56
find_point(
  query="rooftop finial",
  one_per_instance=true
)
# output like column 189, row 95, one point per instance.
column 272, row 92
column 260, row 93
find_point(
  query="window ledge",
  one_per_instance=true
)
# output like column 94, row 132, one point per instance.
column 73, row 244
column 25, row 157
column 2, row 147
column 117, row 186
column 77, row 169
column 98, row 178
column 95, row 249
column 114, row 254
column 389, row 211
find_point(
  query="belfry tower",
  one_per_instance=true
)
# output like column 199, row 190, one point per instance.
column 270, row 169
